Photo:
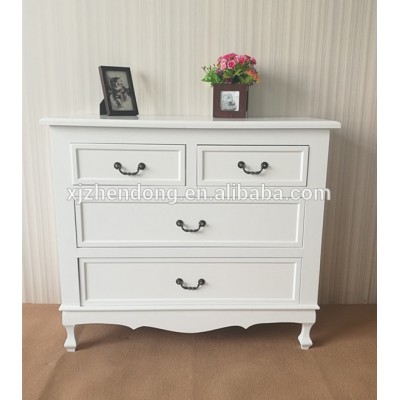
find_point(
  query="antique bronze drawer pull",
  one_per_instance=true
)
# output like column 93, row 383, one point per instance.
column 118, row 166
column 242, row 165
column 180, row 224
column 200, row 282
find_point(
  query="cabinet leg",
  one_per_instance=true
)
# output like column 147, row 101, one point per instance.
column 304, row 337
column 70, row 343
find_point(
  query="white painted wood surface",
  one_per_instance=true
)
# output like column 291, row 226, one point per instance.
column 218, row 165
column 187, row 321
column 316, row 58
column 228, row 282
column 94, row 163
column 124, row 224
column 190, row 122
column 285, row 287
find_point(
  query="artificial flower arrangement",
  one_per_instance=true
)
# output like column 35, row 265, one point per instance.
column 230, row 69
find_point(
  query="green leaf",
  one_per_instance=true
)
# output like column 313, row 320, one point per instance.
column 228, row 73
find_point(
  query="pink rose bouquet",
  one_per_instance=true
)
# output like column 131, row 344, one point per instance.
column 232, row 68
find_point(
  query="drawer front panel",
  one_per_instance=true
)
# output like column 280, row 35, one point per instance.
column 135, row 281
column 94, row 163
column 218, row 165
column 155, row 224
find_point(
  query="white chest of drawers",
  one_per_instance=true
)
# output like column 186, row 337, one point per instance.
column 212, row 259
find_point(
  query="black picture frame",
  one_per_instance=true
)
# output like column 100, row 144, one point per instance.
column 118, row 90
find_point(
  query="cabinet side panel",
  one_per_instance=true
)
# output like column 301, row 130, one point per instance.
column 314, row 214
column 65, row 217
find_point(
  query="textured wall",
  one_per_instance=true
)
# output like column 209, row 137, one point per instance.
column 317, row 58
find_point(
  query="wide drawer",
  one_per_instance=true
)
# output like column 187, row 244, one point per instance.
column 96, row 163
column 122, row 224
column 141, row 281
column 283, row 165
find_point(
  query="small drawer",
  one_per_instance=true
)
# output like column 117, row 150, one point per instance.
column 152, row 224
column 252, row 165
column 128, row 164
column 128, row 281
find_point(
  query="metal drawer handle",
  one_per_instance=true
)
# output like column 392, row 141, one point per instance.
column 242, row 165
column 140, row 167
column 200, row 282
column 201, row 224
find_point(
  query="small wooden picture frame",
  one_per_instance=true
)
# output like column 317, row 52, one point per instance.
column 119, row 94
column 230, row 100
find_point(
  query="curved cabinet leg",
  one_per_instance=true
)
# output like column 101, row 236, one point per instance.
column 70, row 343
column 304, row 337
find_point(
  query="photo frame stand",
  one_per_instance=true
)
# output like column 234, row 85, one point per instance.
column 102, row 108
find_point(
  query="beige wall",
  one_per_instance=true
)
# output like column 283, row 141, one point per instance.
column 317, row 58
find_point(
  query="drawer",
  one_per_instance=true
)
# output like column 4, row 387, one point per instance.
column 95, row 163
column 123, row 224
column 219, row 165
column 137, row 281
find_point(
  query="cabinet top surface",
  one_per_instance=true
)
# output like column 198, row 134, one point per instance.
column 191, row 122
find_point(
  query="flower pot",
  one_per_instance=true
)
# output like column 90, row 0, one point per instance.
column 230, row 100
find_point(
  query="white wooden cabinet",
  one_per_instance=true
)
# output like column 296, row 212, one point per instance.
column 183, row 262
